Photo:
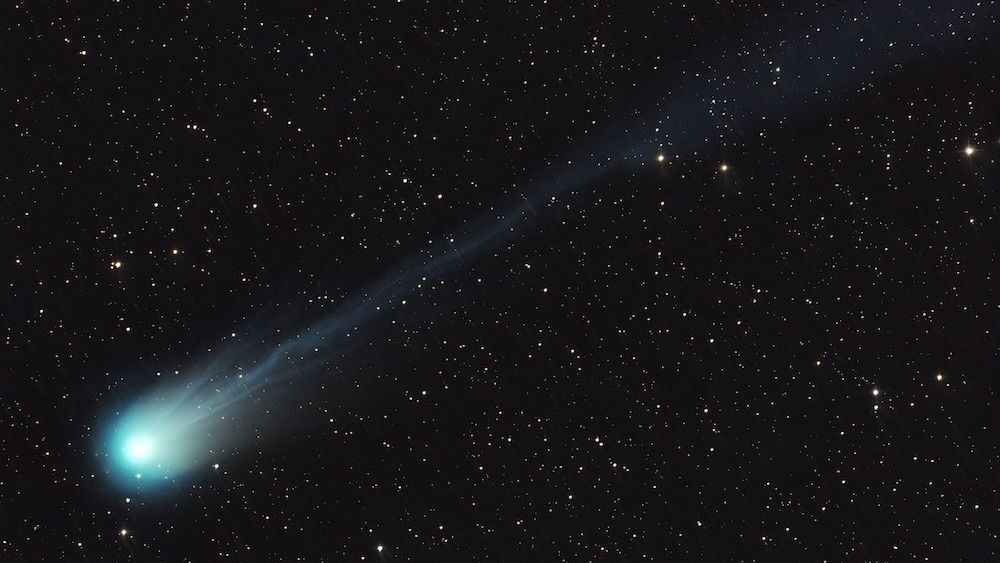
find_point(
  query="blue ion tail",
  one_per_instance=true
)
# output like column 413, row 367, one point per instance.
column 188, row 425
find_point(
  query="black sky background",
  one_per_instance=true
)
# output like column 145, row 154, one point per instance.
column 675, row 362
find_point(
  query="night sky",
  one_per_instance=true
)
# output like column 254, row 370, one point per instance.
column 500, row 281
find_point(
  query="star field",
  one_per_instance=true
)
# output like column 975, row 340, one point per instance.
column 500, row 281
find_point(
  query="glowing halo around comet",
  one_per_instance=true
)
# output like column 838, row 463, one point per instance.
column 164, row 437
column 138, row 449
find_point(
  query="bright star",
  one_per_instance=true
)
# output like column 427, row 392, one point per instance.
column 969, row 150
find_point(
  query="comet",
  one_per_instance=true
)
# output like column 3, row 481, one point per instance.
column 187, row 423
